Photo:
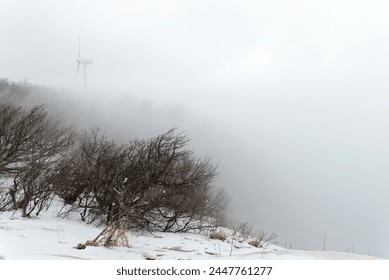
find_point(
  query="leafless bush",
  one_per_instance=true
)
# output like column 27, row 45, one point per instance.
column 153, row 184
column 30, row 146
column 18, row 130
column 31, row 191
column 242, row 230
column 181, row 208
column 262, row 239
column 5, row 201
column 172, row 188
column 28, row 135
column 91, row 175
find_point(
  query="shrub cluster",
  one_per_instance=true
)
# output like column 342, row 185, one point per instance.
column 31, row 147
column 149, row 184
column 154, row 184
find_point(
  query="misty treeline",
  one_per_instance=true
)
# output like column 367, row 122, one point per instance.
column 147, row 184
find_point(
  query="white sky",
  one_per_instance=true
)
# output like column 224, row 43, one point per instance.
column 290, row 98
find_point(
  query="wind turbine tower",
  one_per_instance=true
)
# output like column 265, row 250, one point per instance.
column 84, row 63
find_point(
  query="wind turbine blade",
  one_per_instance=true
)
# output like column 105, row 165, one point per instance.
column 78, row 68
column 85, row 85
column 79, row 43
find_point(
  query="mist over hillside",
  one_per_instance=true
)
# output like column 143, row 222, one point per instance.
column 124, row 117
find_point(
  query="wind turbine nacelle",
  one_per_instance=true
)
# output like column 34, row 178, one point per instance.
column 84, row 61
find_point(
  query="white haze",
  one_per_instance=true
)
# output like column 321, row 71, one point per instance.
column 289, row 98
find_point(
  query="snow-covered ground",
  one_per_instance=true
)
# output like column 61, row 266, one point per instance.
column 49, row 237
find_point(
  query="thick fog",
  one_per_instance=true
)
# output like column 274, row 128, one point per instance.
column 289, row 98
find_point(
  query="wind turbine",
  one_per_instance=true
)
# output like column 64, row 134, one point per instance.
column 82, row 61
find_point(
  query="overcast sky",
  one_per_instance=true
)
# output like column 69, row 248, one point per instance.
column 289, row 98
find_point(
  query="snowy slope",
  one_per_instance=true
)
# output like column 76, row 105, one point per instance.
column 49, row 237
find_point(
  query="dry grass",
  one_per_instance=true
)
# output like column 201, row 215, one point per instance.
column 91, row 243
column 262, row 239
column 111, row 236
column 217, row 235
column 242, row 230
column 256, row 243
column 116, row 237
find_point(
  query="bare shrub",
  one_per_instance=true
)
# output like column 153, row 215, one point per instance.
column 242, row 230
column 5, row 201
column 18, row 129
column 262, row 239
column 30, row 147
column 184, row 208
column 31, row 191
column 154, row 184
column 172, row 190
